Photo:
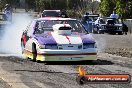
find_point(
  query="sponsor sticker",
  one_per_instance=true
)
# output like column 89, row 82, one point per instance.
column 83, row 78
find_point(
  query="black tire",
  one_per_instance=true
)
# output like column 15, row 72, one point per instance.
column 22, row 46
column 34, row 52
column 113, row 33
column 94, row 31
column 120, row 33
column 81, row 80
column 100, row 32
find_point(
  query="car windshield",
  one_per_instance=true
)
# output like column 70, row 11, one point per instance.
column 51, row 14
column 46, row 25
column 116, row 21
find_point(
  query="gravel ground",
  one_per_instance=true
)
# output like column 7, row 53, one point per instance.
column 120, row 45
column 4, row 84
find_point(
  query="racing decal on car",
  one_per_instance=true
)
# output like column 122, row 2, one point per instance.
column 46, row 39
column 68, row 39
column 65, row 39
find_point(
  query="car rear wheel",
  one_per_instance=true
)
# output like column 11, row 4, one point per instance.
column 34, row 52
column 100, row 32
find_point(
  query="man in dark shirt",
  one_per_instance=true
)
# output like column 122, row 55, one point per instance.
column 124, row 28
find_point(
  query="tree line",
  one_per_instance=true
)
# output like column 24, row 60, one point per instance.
column 48, row 4
column 73, row 7
column 76, row 7
column 121, row 7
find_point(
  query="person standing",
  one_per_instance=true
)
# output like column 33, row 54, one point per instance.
column 124, row 28
column 114, row 15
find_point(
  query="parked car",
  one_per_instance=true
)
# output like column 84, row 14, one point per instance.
column 54, row 13
column 109, row 25
column 57, row 39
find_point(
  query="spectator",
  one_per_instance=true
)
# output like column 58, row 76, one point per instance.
column 114, row 15
column 87, row 22
column 124, row 28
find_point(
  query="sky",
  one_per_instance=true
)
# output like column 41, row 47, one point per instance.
column 97, row 0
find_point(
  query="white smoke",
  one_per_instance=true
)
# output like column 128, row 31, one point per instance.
column 101, row 44
column 10, row 43
column 100, row 41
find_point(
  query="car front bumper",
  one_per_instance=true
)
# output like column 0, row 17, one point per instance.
column 64, row 55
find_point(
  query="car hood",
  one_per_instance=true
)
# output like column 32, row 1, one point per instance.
column 74, row 38
column 45, row 38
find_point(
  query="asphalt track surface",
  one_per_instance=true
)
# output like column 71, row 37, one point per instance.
column 15, row 72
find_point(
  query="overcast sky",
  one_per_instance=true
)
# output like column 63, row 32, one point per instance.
column 96, row 0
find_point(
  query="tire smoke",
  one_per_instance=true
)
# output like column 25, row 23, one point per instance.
column 11, row 40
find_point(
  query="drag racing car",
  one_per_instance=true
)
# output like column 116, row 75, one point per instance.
column 57, row 39
column 109, row 25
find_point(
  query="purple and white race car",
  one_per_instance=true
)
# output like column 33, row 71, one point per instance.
column 57, row 39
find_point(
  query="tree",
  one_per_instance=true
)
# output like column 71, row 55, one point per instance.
column 106, row 7
column 129, row 9
column 120, row 8
column 94, row 6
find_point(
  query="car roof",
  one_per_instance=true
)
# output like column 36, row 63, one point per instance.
column 54, row 18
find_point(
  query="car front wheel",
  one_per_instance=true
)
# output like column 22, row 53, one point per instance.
column 34, row 52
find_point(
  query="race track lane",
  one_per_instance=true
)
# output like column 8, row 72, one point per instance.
column 38, row 75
